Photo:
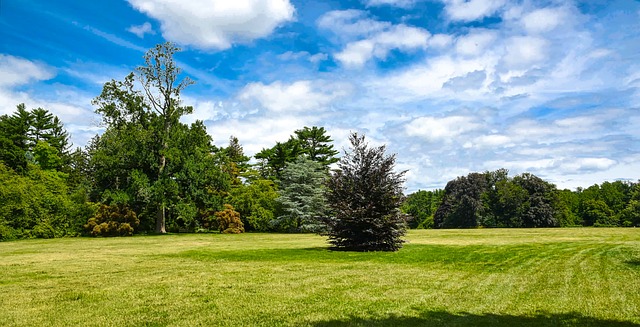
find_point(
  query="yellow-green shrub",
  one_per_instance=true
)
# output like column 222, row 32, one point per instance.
column 114, row 220
column 229, row 220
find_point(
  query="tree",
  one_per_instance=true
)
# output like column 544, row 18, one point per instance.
column 275, row 159
column 365, row 195
column 316, row 145
column 462, row 202
column 237, row 163
column 312, row 143
column 156, row 108
column 256, row 203
column 24, row 131
column 421, row 206
column 302, row 197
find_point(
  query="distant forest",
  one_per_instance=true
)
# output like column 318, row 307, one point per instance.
column 150, row 173
column 493, row 199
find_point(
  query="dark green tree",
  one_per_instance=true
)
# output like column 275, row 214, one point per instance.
column 316, row 145
column 272, row 161
column 462, row 202
column 365, row 194
column 21, row 133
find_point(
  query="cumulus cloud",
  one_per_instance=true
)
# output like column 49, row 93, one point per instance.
column 367, row 38
column 216, row 24
column 525, row 51
column 543, row 20
column 141, row 30
column 445, row 128
column 17, row 71
column 475, row 42
column 471, row 10
column 347, row 24
column 67, row 103
column 298, row 96
column 400, row 37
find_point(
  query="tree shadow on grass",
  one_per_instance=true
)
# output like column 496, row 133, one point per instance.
column 442, row 318
column 633, row 262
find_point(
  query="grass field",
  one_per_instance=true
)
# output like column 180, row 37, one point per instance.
column 483, row 277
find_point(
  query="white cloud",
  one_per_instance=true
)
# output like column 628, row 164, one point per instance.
column 475, row 42
column 141, row 30
column 588, row 164
column 472, row 9
column 440, row 41
column 347, row 24
column 291, row 56
column 445, row 128
column 217, row 24
column 299, row 96
column 426, row 80
column 492, row 140
column 525, row 51
column 70, row 106
column 367, row 38
column 257, row 133
column 17, row 71
column 318, row 57
column 543, row 20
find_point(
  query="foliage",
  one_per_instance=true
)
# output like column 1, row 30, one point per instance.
column 492, row 199
column 35, row 134
column 421, row 206
column 311, row 143
column 256, row 203
column 229, row 221
column 156, row 109
column 112, row 220
column 301, row 197
column 169, row 171
column 316, row 145
column 39, row 204
column 365, row 194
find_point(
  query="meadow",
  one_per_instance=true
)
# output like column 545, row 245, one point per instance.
column 475, row 277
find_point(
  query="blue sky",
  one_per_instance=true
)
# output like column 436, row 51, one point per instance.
column 450, row 86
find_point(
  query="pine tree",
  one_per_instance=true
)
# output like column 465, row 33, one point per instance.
column 365, row 194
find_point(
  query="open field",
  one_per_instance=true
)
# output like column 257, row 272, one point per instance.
column 485, row 277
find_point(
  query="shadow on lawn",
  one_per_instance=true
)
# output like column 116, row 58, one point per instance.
column 634, row 262
column 441, row 318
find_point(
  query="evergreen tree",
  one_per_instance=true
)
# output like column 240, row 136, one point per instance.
column 302, row 197
column 365, row 195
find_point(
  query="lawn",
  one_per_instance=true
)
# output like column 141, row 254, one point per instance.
column 481, row 277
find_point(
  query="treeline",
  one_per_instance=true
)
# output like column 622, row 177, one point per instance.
column 150, row 173
column 493, row 199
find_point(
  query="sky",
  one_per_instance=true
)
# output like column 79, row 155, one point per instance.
column 450, row 86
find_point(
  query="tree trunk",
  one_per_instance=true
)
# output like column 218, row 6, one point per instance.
column 160, row 220
column 160, row 215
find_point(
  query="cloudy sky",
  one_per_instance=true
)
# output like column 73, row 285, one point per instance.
column 451, row 86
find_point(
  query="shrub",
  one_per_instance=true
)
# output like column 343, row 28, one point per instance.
column 114, row 220
column 229, row 221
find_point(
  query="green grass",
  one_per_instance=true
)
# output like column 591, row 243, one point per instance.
column 484, row 277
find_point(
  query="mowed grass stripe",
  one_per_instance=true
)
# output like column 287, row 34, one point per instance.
column 570, row 277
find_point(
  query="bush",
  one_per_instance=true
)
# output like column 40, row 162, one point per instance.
column 114, row 220
column 7, row 233
column 229, row 221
